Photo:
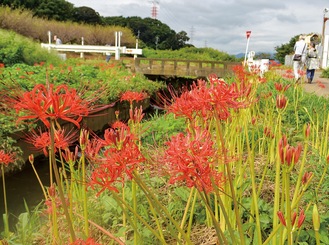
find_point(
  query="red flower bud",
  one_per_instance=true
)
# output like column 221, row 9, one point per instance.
column 281, row 218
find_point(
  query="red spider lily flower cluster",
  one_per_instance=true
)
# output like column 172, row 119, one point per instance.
column 189, row 159
column 320, row 84
column 301, row 218
column 132, row 96
column 6, row 158
column 117, row 156
column 89, row 241
column 280, row 88
column 281, row 101
column 288, row 154
column 205, row 99
column 289, row 74
column 41, row 140
column 51, row 103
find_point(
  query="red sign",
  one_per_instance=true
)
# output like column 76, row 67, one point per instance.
column 248, row 33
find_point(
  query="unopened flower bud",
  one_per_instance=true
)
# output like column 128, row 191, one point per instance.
column 31, row 158
column 316, row 218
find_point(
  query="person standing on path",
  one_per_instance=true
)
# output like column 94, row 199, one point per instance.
column 300, row 48
column 312, row 62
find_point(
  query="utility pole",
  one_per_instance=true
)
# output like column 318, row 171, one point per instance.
column 156, row 42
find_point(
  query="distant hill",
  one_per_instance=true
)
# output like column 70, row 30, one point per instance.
column 241, row 55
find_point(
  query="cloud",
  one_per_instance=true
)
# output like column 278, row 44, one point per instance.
column 221, row 24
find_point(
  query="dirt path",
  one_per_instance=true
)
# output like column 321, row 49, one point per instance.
column 319, row 86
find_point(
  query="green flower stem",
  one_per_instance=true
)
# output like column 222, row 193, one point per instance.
column 324, row 174
column 6, row 219
column 134, row 200
column 123, row 204
column 272, row 235
column 254, row 190
column 84, row 194
column 59, row 183
column 162, row 211
column 54, row 221
column 231, row 186
column 39, row 180
column 191, row 214
column 277, row 181
column 220, row 234
column 300, row 174
column 106, row 232
column 187, row 207
column 286, row 173
column 158, row 223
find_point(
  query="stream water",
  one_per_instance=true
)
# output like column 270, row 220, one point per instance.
column 23, row 186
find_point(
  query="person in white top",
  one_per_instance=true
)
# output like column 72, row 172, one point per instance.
column 57, row 40
column 301, row 49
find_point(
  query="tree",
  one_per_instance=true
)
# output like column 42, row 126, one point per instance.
column 285, row 49
column 86, row 15
column 59, row 10
column 153, row 33
column 288, row 48
column 27, row 4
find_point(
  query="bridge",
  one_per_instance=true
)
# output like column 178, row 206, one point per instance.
column 182, row 68
column 153, row 66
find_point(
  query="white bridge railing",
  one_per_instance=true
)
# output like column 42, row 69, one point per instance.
column 93, row 49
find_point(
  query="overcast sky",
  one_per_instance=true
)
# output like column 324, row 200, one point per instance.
column 222, row 24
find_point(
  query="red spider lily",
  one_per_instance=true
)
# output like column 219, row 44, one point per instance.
column 293, row 218
column 119, row 136
column 46, row 104
column 280, row 88
column 6, row 158
column 89, row 241
column 137, row 115
column 307, row 130
column 301, row 218
column 70, row 157
column 320, row 84
column 132, row 96
column 215, row 98
column 118, row 157
column 268, row 132
column 281, row 101
column 119, row 124
column 289, row 154
column 307, row 177
column 289, row 74
column 83, row 139
column 41, row 140
column 190, row 159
